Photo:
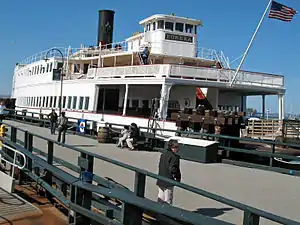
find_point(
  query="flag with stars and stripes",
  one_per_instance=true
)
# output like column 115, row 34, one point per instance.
column 281, row 12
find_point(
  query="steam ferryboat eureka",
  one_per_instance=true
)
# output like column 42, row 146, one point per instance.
column 117, row 82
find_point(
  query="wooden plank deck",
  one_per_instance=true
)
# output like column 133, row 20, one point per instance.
column 270, row 191
column 13, row 208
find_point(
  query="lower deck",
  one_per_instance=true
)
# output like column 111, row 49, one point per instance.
column 109, row 99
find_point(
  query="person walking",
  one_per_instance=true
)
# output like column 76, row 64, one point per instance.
column 53, row 119
column 169, row 167
column 62, row 127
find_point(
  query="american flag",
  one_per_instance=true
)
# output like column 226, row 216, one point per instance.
column 281, row 12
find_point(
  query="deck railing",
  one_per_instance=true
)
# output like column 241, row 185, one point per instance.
column 134, row 204
column 117, row 47
column 227, row 144
column 188, row 72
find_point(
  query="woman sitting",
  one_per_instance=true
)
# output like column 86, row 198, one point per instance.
column 124, row 136
column 133, row 136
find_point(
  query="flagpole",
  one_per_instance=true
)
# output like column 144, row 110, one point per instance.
column 251, row 41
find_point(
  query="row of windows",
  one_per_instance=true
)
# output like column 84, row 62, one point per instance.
column 41, row 69
column 181, row 27
column 68, row 102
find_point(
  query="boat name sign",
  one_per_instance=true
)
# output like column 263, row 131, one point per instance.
column 177, row 37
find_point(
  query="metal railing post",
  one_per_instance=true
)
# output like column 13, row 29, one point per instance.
column 22, row 176
column 80, row 196
column 48, row 175
column 250, row 218
column 13, row 138
column 272, row 158
column 29, row 148
column 132, row 214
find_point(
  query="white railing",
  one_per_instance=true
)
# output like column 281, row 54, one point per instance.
column 42, row 55
column 129, row 71
column 212, row 54
column 94, row 51
column 14, row 163
column 117, row 47
column 188, row 72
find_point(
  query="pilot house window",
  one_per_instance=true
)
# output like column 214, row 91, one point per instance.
column 189, row 28
column 169, row 26
column 160, row 24
column 154, row 26
column 179, row 27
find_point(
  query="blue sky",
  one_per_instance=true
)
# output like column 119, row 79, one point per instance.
column 30, row 26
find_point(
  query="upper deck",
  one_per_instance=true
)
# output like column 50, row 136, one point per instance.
column 174, row 53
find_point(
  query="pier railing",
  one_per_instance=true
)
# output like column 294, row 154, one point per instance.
column 134, row 204
column 227, row 143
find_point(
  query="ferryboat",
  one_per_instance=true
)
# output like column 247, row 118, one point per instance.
column 162, row 66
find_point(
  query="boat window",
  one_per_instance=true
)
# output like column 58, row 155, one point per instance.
column 134, row 103
column 69, row 102
column 169, row 26
column 64, row 102
column 179, row 27
column 86, row 103
column 58, row 103
column 47, row 101
column 41, row 69
column 50, row 69
column 44, row 101
column 40, row 101
column 80, row 103
column 54, row 102
column 47, row 67
column 189, row 28
column 74, row 102
column 160, row 24
column 76, row 68
column 148, row 27
column 51, row 102
column 154, row 26
column 145, row 104
column 195, row 29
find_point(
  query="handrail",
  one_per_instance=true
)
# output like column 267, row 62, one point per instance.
column 269, row 142
column 187, row 187
column 13, row 164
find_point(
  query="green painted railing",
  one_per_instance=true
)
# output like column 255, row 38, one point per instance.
column 151, row 133
column 134, row 203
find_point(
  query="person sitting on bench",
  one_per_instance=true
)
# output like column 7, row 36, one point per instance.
column 133, row 136
column 125, row 135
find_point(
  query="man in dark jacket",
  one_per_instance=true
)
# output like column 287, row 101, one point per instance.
column 53, row 119
column 169, row 167
column 133, row 136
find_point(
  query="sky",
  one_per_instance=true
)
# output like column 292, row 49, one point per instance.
column 30, row 26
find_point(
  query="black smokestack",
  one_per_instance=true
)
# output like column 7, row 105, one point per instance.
column 105, row 27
